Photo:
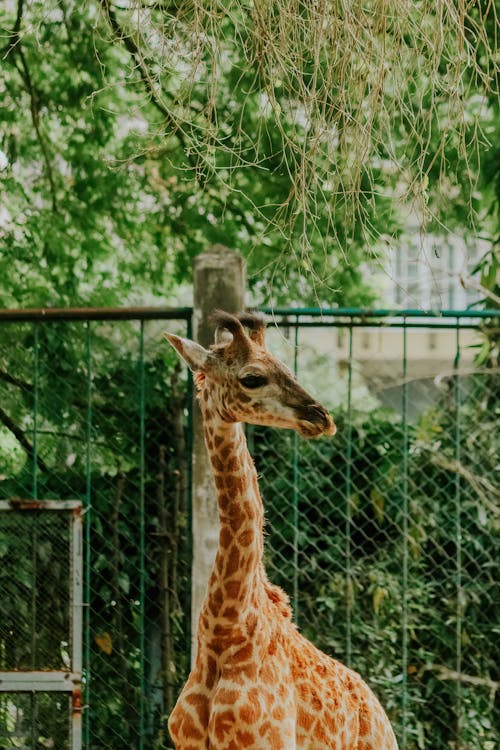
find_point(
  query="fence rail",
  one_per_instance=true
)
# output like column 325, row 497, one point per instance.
column 96, row 313
column 385, row 537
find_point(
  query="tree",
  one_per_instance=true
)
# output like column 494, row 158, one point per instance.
column 137, row 133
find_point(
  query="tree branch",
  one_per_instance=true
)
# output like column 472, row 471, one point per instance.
column 14, row 49
column 134, row 51
column 14, row 34
column 171, row 8
column 21, row 438
column 7, row 378
column 469, row 282
column 482, row 486
column 169, row 118
column 443, row 673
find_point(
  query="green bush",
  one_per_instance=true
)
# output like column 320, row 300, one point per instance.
column 386, row 539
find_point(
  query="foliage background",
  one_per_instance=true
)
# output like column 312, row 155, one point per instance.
column 133, row 135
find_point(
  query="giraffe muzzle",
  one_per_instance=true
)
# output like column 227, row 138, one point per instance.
column 314, row 421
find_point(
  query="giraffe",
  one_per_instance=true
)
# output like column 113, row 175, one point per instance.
column 257, row 683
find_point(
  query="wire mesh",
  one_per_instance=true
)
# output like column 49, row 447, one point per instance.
column 29, row 721
column 98, row 410
column 385, row 536
column 35, row 592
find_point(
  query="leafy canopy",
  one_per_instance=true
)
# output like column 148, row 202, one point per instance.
column 136, row 134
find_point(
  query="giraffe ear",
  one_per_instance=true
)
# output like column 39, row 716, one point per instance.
column 194, row 355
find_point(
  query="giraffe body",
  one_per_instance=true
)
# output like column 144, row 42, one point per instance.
column 257, row 683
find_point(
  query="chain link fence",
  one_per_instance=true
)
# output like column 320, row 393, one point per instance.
column 95, row 407
column 385, row 536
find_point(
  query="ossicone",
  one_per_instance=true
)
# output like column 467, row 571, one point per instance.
column 236, row 324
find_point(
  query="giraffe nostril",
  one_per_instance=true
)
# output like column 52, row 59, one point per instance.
column 313, row 413
column 316, row 415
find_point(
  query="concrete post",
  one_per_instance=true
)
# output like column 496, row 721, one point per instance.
column 219, row 282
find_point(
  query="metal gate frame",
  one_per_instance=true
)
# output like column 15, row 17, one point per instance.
column 61, row 681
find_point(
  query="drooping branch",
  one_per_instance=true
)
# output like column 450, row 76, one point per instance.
column 132, row 48
column 485, row 489
column 323, row 85
column 169, row 118
column 170, row 8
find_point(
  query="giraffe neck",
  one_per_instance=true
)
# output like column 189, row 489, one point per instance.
column 238, row 573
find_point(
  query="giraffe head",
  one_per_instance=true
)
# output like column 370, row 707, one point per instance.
column 244, row 383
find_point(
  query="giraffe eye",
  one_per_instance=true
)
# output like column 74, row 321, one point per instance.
column 253, row 381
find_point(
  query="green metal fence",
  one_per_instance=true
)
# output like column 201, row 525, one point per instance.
column 94, row 407
column 384, row 536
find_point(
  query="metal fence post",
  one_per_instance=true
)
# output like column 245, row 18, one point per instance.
column 219, row 282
